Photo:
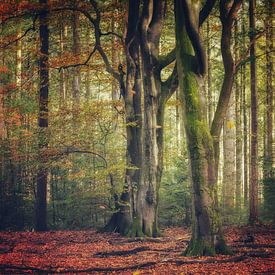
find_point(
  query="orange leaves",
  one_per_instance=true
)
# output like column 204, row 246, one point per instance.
column 4, row 69
column 98, row 253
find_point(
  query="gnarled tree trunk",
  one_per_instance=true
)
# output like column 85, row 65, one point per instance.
column 203, row 144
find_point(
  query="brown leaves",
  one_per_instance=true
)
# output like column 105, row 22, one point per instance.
column 102, row 253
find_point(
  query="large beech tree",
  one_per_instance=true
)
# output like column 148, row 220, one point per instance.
column 137, row 215
column 203, row 141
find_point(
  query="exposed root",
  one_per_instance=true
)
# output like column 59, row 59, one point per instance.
column 122, row 252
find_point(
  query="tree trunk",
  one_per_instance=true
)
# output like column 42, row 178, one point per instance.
column 127, row 220
column 62, row 79
column 229, row 160
column 253, row 194
column 244, row 110
column 269, row 186
column 41, row 193
column 207, row 238
column 239, row 152
column 203, row 144
column 76, row 71
column 210, row 101
column 142, row 184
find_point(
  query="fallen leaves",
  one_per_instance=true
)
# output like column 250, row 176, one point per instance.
column 106, row 253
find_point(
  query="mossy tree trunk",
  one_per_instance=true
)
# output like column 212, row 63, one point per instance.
column 207, row 238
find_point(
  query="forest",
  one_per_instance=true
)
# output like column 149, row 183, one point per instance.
column 136, row 137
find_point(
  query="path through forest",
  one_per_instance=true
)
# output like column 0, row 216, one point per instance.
column 89, row 252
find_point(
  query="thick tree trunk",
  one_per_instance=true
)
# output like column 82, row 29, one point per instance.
column 142, row 184
column 127, row 220
column 151, row 175
column 41, row 192
column 207, row 238
column 253, row 191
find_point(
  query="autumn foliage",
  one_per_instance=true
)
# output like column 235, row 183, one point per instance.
column 90, row 252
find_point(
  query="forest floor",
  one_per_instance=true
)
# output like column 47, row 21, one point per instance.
column 89, row 252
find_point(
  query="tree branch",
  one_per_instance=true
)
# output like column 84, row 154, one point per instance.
column 205, row 11
column 192, row 28
column 32, row 28
column 167, row 59
column 170, row 85
column 79, row 64
column 243, row 57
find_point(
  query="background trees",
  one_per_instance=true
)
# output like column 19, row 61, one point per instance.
column 89, row 157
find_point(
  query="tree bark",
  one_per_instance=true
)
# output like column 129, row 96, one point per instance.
column 229, row 175
column 269, row 187
column 203, row 144
column 41, row 193
column 253, row 191
column 210, row 101
column 239, row 152
column 244, row 109
column 76, row 70
column 207, row 237
column 142, row 184
column 127, row 220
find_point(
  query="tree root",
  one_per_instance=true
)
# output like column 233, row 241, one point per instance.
column 122, row 252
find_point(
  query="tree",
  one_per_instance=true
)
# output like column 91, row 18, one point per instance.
column 253, row 190
column 41, row 193
column 203, row 143
column 238, row 112
column 269, row 189
column 144, row 150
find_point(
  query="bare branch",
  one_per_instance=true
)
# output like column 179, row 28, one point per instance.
column 244, row 56
column 205, row 11
column 32, row 28
column 167, row 59
column 170, row 85
column 79, row 64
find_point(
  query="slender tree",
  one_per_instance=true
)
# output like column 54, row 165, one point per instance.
column 41, row 193
column 76, row 70
column 239, row 153
column 253, row 190
column 269, row 187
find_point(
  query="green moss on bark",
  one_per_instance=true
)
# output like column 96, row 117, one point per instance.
column 200, row 247
column 135, row 229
